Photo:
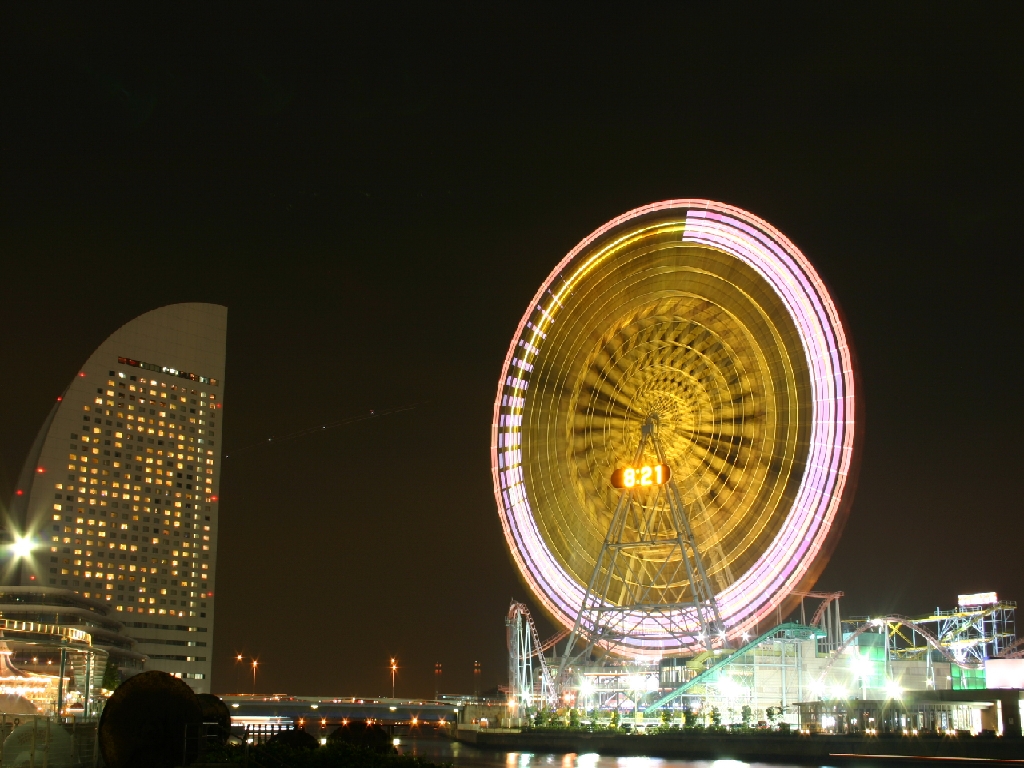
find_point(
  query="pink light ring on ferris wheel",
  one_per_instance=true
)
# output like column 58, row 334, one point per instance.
column 816, row 316
column 827, row 371
column 823, row 510
column 818, row 366
column 528, row 537
column 543, row 571
column 786, row 253
column 798, row 531
column 815, row 360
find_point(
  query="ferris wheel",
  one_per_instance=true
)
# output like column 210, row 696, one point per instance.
column 673, row 445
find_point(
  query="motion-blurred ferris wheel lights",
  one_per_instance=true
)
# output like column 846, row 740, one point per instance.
column 711, row 322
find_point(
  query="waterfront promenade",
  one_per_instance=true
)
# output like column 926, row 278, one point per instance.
column 753, row 747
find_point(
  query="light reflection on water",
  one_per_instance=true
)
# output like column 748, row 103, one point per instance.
column 469, row 756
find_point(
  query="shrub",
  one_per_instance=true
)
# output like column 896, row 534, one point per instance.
column 294, row 739
column 359, row 734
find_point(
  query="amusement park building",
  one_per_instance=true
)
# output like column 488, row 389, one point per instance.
column 117, row 501
column 65, row 609
column 808, row 673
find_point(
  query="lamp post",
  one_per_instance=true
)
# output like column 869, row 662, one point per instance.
column 238, row 685
column 254, row 665
column 394, row 668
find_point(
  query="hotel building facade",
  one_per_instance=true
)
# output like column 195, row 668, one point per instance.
column 118, row 498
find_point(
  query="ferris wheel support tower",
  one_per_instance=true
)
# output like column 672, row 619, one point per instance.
column 662, row 540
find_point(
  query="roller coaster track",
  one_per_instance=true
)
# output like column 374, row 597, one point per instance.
column 826, row 598
column 538, row 648
column 1014, row 651
column 898, row 620
column 523, row 649
column 550, row 642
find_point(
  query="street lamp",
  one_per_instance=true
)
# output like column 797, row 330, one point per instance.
column 238, row 686
column 22, row 546
column 394, row 668
column 254, row 665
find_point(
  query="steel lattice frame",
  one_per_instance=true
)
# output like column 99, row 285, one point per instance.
column 523, row 646
column 711, row 319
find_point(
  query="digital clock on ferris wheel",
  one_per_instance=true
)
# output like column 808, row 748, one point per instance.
column 641, row 477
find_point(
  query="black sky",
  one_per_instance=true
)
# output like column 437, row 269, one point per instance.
column 377, row 197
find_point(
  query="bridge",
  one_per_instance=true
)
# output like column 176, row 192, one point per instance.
column 285, row 709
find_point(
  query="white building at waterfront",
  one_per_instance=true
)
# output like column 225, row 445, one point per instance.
column 118, row 498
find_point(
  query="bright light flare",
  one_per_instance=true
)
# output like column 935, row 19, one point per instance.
column 861, row 666
column 730, row 688
column 22, row 547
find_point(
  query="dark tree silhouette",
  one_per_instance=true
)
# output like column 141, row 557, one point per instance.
column 359, row 734
column 215, row 711
column 295, row 739
column 144, row 723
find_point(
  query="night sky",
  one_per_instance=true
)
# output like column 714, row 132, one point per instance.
column 377, row 198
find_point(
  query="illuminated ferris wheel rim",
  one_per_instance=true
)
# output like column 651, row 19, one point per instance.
column 790, row 557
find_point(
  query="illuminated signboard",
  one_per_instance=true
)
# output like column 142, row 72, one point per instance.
column 638, row 477
column 1004, row 673
column 978, row 598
